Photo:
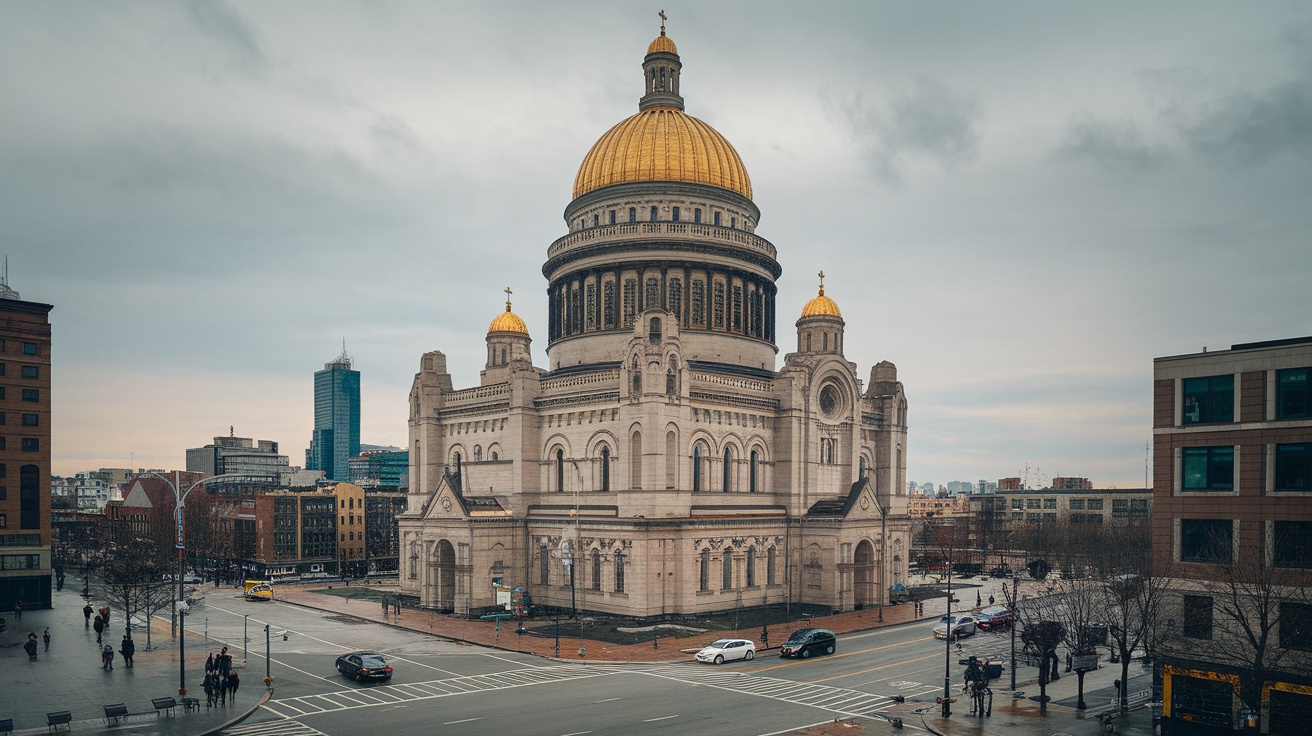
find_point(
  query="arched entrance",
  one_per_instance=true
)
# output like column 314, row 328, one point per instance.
column 863, row 568
column 445, row 568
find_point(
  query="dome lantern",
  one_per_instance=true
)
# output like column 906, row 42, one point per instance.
column 660, row 70
column 508, row 321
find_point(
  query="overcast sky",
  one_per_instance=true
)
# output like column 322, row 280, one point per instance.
column 1018, row 204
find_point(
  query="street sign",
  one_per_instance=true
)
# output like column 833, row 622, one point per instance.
column 180, row 544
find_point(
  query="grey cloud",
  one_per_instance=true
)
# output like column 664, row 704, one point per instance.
column 1249, row 128
column 1116, row 145
column 927, row 121
column 240, row 42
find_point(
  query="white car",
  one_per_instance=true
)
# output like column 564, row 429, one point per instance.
column 964, row 625
column 727, row 649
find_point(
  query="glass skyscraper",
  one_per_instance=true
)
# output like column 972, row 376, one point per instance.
column 336, row 437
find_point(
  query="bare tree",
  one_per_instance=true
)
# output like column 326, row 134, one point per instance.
column 132, row 575
column 1131, row 596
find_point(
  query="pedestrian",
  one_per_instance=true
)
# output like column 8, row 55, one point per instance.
column 223, row 664
column 86, row 614
column 990, row 600
column 233, row 682
column 209, row 690
column 385, row 606
column 18, row 610
column 46, row 638
column 398, row 606
column 107, row 658
column 104, row 615
column 128, row 649
column 30, row 646
column 99, row 626
column 209, row 664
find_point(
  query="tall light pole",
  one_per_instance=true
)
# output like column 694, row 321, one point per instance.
column 947, row 638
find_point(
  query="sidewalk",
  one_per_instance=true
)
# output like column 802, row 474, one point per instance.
column 69, row 677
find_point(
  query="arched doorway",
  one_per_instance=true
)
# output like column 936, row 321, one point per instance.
column 863, row 568
column 445, row 568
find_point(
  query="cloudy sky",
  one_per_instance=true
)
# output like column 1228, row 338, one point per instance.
column 1019, row 204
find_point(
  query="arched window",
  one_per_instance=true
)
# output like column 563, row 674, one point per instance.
column 727, row 570
column 769, row 566
column 670, row 388
column 495, row 456
column 605, row 468
column 544, row 566
column 503, row 356
column 635, row 461
column 653, row 214
column 752, row 472
column 457, row 463
column 698, row 452
column 619, row 572
column 728, row 470
column 751, row 567
column 704, row 576
column 863, row 469
column 596, row 569
column 633, row 214
column 637, row 385
column 560, row 471
column 651, row 295
column 478, row 454
column 654, row 330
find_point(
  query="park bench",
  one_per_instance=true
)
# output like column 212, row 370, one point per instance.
column 164, row 704
column 115, row 711
column 7, row 725
column 59, row 718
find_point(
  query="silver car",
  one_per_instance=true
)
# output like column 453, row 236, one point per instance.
column 727, row 649
column 961, row 625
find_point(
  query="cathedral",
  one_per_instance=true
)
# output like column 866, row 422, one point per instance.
column 662, row 463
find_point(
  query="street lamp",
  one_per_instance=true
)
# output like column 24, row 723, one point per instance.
column 947, row 638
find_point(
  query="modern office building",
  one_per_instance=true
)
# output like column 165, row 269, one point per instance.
column 381, row 469
column 1232, row 525
column 336, row 437
column 25, row 562
column 240, row 456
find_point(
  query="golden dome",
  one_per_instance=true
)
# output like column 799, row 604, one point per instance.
column 662, row 144
column 821, row 305
column 508, row 321
column 662, row 43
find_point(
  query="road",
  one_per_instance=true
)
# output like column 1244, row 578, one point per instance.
column 472, row 690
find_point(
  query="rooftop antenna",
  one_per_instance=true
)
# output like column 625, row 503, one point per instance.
column 5, row 291
column 230, row 432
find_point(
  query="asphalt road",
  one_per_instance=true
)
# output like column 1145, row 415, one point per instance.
column 461, row 689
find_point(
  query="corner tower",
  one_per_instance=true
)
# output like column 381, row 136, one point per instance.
column 662, row 221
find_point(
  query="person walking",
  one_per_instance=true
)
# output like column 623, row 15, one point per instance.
column 385, row 606
column 30, row 646
column 397, row 601
column 209, row 690
column 233, row 682
column 209, row 664
column 223, row 664
column 128, row 649
column 104, row 615
column 107, row 658
column 86, row 614
column 99, row 626
column 46, row 638
column 18, row 610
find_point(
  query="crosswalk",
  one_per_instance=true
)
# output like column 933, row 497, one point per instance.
column 274, row 728
column 835, row 699
column 406, row 692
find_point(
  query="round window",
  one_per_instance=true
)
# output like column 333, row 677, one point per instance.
column 829, row 401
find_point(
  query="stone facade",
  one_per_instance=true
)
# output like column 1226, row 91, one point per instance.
column 661, row 464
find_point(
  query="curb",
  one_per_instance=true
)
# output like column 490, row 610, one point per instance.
column 268, row 693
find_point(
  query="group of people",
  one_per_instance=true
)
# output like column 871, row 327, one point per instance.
column 393, row 604
column 221, row 681
column 102, row 621
column 30, row 645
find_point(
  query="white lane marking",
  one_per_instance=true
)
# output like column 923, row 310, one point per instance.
column 429, row 666
column 795, row 730
column 607, row 700
column 662, row 718
column 577, row 733
column 466, row 720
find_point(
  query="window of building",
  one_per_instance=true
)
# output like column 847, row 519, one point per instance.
column 704, row 571
column 2, row 369
column 1077, row 504
column 29, row 394
column 612, row 217
column 728, row 470
column 670, row 383
column 596, row 569
column 698, row 452
column 770, row 566
column 733, row 222
column 605, row 468
column 1206, row 540
column 653, row 214
column 596, row 220
column 1033, row 503
column 608, row 304
column 1049, row 503
column 29, row 497
column 29, row 348
column 737, row 309
column 590, row 312
column 1208, row 469
column 1196, row 613
column 675, row 304
column 727, row 571
column 717, row 219
column 697, row 215
column 698, row 303
column 630, row 301
column 31, row 444
column 675, row 215
column 619, row 572
column 751, row 567
column 753, row 471
column 544, row 567
column 1120, row 505
column 560, row 471
column 1208, row 400
column 1095, row 504
column 633, row 214
column 1292, row 467
column 717, row 305
column 31, row 371
column 1293, row 400
column 1138, row 505
column 1292, row 544
column 1017, row 504
column 1296, row 626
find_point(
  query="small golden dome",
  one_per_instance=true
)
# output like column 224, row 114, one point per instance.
column 662, row 43
column 662, row 144
column 821, row 305
column 508, row 321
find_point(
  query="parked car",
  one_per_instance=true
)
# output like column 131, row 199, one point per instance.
column 364, row 666
column 994, row 617
column 964, row 625
column 805, row 642
column 727, row 649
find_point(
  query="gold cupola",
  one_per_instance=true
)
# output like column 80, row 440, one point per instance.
column 662, row 142
column 821, row 305
column 508, row 321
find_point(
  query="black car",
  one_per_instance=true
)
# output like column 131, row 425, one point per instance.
column 805, row 642
column 364, row 666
